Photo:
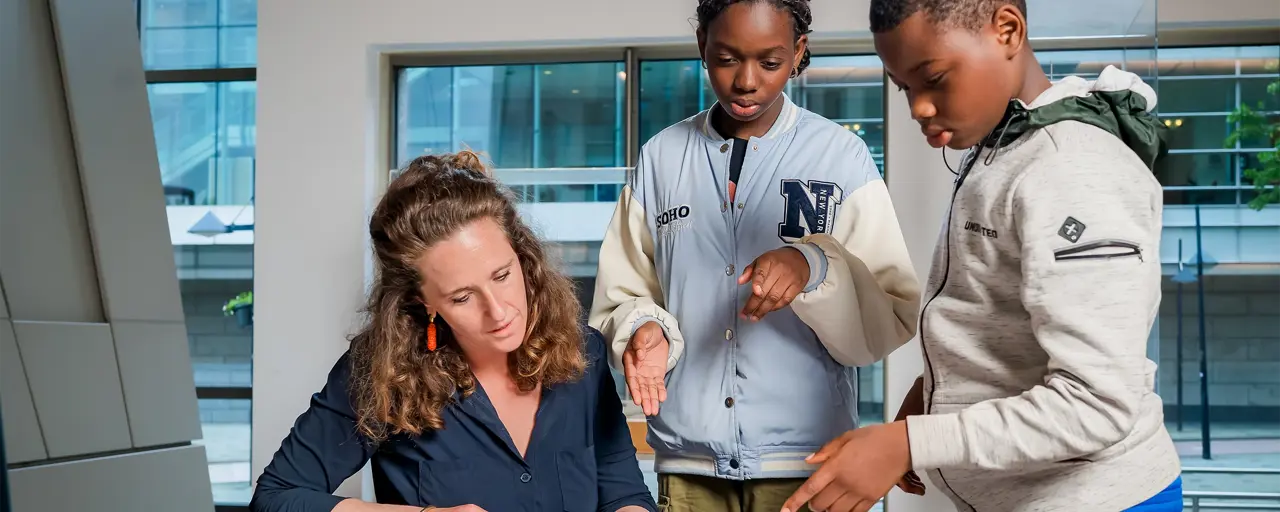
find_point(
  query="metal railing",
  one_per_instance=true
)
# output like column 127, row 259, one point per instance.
column 1232, row 471
column 1230, row 500
column 1221, row 500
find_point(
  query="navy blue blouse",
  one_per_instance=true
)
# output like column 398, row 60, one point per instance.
column 580, row 456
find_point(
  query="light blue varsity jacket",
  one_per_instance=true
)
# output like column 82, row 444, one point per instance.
column 751, row 400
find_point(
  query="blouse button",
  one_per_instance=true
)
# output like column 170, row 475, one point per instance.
column 526, row 477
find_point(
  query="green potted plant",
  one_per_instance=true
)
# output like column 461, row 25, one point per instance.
column 240, row 307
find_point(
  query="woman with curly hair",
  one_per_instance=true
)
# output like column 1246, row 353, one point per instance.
column 473, row 384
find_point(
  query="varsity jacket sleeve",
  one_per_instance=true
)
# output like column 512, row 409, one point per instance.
column 1091, row 288
column 628, row 293
column 862, row 299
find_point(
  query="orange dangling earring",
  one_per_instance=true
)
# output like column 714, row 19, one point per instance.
column 431, row 332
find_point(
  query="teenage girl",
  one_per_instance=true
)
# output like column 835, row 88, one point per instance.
column 754, row 259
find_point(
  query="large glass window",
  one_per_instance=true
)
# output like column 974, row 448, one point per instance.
column 533, row 116
column 1199, row 89
column 199, row 34
column 206, row 138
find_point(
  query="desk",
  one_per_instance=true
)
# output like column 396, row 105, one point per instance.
column 638, row 429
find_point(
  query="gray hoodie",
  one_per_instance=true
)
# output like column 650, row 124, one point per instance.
column 1039, row 395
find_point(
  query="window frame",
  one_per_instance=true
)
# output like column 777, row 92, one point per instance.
column 633, row 57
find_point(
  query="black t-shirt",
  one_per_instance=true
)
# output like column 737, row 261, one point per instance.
column 735, row 165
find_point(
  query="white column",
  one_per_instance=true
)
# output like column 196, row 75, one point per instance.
column 920, row 186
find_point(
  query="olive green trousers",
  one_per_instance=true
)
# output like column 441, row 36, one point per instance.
column 688, row 493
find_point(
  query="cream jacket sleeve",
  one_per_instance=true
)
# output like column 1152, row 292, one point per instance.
column 628, row 293
column 863, row 298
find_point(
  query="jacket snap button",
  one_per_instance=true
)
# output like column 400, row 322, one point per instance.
column 733, row 463
column 728, row 271
column 724, row 148
column 526, row 477
column 728, row 402
column 728, row 334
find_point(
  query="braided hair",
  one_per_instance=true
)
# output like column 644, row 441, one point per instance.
column 801, row 18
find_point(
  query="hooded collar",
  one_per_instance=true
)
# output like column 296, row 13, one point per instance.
column 1118, row 102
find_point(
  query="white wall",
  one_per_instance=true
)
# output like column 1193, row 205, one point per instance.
column 920, row 185
column 323, row 102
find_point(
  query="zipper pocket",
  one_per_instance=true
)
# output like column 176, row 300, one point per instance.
column 1105, row 250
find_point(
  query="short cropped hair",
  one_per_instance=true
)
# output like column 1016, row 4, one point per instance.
column 886, row 15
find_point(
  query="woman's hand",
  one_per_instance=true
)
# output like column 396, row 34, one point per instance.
column 776, row 278
column 354, row 505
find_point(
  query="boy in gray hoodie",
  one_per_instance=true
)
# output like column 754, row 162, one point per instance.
column 1037, row 393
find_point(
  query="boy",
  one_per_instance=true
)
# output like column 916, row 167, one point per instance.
column 1037, row 393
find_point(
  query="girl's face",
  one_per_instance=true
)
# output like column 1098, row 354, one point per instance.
column 750, row 51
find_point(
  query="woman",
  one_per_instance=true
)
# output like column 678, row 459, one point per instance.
column 473, row 385
column 753, row 260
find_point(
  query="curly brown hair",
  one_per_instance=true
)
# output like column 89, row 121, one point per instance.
column 398, row 386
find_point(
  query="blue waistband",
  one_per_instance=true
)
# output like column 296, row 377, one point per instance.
column 1168, row 500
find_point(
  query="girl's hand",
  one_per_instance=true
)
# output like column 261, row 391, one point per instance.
column 776, row 278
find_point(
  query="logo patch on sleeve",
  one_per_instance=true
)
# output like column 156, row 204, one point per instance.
column 1071, row 230
column 810, row 208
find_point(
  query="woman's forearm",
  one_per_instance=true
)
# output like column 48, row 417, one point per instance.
column 354, row 505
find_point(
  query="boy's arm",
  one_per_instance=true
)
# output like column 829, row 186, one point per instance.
column 628, row 293
column 1091, row 317
column 862, row 298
